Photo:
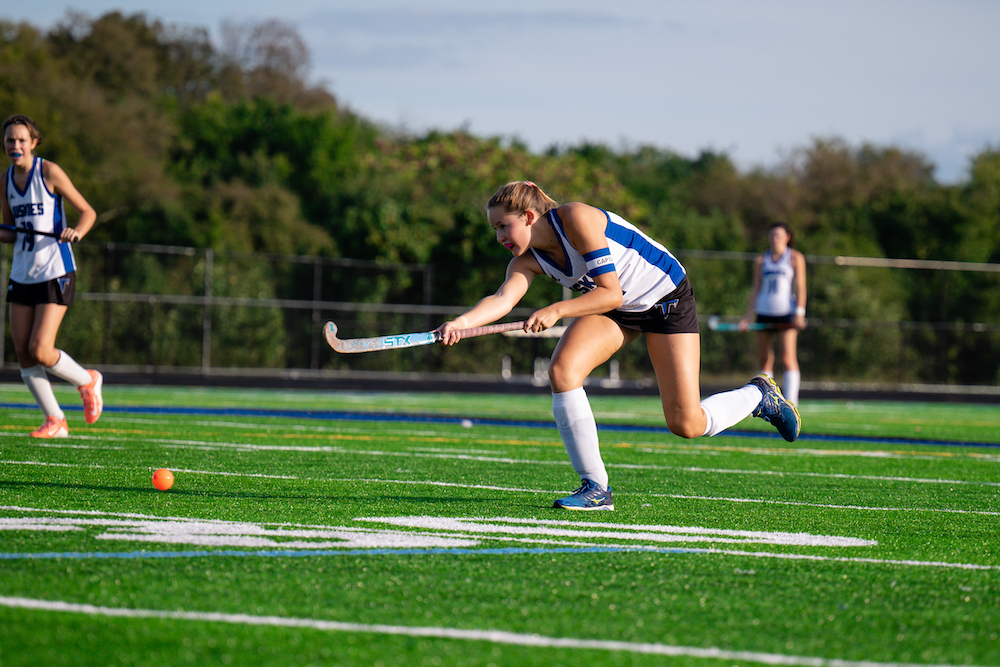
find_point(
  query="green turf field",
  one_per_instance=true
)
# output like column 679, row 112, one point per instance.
column 326, row 528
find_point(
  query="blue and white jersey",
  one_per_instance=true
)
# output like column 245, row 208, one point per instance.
column 646, row 270
column 38, row 259
column 776, row 297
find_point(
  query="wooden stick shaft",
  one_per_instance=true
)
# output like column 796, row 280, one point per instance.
column 489, row 329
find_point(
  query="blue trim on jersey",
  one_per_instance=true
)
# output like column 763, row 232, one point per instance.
column 58, row 224
column 58, row 219
column 44, row 184
column 646, row 250
column 27, row 183
column 554, row 220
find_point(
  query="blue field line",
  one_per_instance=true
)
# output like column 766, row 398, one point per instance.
column 339, row 415
column 300, row 553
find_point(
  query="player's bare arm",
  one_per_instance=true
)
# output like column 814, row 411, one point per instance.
column 799, row 264
column 7, row 236
column 585, row 228
column 520, row 272
column 59, row 183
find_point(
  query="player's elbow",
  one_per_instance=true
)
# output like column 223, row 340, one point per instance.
column 612, row 299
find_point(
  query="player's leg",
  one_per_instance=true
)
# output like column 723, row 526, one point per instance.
column 588, row 343
column 676, row 360
column 765, row 353
column 47, row 319
column 22, row 325
column 42, row 346
column 790, row 361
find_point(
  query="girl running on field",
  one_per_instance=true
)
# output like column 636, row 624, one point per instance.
column 629, row 285
column 42, row 275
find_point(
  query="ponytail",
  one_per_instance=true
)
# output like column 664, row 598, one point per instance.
column 518, row 196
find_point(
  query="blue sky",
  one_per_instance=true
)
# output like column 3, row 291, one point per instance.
column 754, row 79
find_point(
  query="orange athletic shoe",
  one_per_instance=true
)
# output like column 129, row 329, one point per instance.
column 93, row 403
column 52, row 428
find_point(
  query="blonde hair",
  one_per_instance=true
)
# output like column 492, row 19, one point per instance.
column 518, row 196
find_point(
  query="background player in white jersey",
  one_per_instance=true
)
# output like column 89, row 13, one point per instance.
column 43, row 273
column 779, row 297
column 629, row 285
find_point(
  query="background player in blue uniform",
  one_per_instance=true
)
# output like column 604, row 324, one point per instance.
column 43, row 278
column 779, row 297
column 613, row 264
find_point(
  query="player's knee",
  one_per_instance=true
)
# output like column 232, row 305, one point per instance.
column 22, row 351
column 44, row 353
column 562, row 376
column 685, row 427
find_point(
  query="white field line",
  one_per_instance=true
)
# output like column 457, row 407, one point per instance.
column 146, row 517
column 185, row 470
column 780, row 473
column 59, row 445
column 795, row 503
column 418, row 482
column 233, row 474
column 51, row 465
column 490, row 636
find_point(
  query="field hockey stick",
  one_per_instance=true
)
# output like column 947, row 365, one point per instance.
column 552, row 332
column 715, row 324
column 399, row 341
column 29, row 231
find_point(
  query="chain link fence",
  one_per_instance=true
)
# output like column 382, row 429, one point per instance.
column 195, row 313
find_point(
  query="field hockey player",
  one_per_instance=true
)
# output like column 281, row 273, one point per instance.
column 629, row 285
column 43, row 273
column 778, row 298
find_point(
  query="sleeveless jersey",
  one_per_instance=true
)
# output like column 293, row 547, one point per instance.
column 38, row 259
column 776, row 297
column 646, row 270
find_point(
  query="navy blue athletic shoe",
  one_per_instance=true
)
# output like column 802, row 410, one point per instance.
column 590, row 496
column 775, row 409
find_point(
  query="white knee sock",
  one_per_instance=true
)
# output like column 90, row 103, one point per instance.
column 791, row 388
column 38, row 384
column 68, row 369
column 729, row 408
column 578, row 429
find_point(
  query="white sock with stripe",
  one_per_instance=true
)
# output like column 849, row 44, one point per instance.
column 68, row 369
column 40, row 387
column 578, row 429
column 729, row 408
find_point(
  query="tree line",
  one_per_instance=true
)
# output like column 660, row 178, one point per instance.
column 177, row 141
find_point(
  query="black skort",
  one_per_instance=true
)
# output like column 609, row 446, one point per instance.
column 59, row 290
column 675, row 313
